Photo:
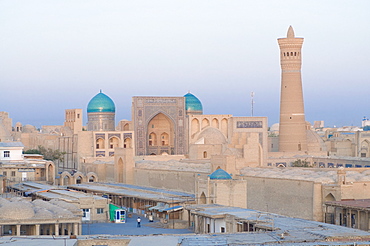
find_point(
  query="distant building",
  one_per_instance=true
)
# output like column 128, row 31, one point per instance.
column 352, row 213
column 221, row 188
column 292, row 132
column 101, row 113
column 19, row 217
column 93, row 208
column 16, row 168
column 365, row 122
column 295, row 134
column 263, row 228
column 318, row 124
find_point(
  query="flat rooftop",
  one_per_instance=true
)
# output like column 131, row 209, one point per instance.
column 175, row 165
column 52, row 192
column 294, row 229
column 320, row 175
column 362, row 204
column 145, row 193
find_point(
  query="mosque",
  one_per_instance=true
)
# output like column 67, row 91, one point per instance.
column 164, row 128
column 170, row 144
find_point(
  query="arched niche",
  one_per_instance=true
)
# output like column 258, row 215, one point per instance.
column 329, row 198
column 224, row 126
column 202, row 199
column 215, row 123
column 100, row 143
column 160, row 126
column 113, row 142
column 205, row 123
column 195, row 126
column 127, row 143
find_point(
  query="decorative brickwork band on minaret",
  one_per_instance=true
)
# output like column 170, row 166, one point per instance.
column 292, row 132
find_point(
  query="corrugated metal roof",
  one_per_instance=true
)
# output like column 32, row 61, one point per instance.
column 11, row 144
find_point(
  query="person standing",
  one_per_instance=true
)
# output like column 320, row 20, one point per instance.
column 138, row 221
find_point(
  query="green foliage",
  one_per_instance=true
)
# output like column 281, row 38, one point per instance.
column 49, row 154
column 32, row 151
column 301, row 163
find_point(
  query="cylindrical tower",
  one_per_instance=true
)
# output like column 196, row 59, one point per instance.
column 292, row 132
column 101, row 113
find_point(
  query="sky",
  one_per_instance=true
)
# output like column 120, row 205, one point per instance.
column 57, row 55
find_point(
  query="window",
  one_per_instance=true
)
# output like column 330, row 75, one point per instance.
column 78, row 116
column 363, row 154
column 222, row 229
column 4, row 173
column 86, row 212
column 13, row 173
column 6, row 153
column 100, row 210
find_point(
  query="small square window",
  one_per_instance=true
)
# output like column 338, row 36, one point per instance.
column 4, row 173
column 6, row 153
column 13, row 173
column 100, row 210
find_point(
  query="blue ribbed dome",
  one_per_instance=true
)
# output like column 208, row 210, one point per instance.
column 101, row 103
column 220, row 174
column 192, row 103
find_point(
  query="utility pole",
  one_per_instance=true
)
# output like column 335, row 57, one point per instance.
column 252, row 101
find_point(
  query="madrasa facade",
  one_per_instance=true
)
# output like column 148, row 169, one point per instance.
column 162, row 128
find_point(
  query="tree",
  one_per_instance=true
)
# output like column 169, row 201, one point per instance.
column 32, row 151
column 49, row 154
column 301, row 163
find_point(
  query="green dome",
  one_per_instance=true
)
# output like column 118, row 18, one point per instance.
column 101, row 103
column 192, row 103
column 220, row 174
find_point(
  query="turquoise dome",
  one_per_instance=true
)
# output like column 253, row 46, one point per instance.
column 192, row 103
column 101, row 103
column 220, row 174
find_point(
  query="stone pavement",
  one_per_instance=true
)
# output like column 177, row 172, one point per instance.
column 129, row 228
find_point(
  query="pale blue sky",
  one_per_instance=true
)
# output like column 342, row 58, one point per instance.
column 56, row 55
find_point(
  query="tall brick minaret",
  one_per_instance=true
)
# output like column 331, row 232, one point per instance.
column 292, row 132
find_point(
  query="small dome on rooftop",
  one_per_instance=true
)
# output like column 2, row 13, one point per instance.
column 220, row 174
column 101, row 103
column 193, row 104
column 212, row 136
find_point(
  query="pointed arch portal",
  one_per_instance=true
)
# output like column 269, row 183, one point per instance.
column 160, row 136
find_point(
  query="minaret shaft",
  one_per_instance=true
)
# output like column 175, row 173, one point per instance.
column 292, row 132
